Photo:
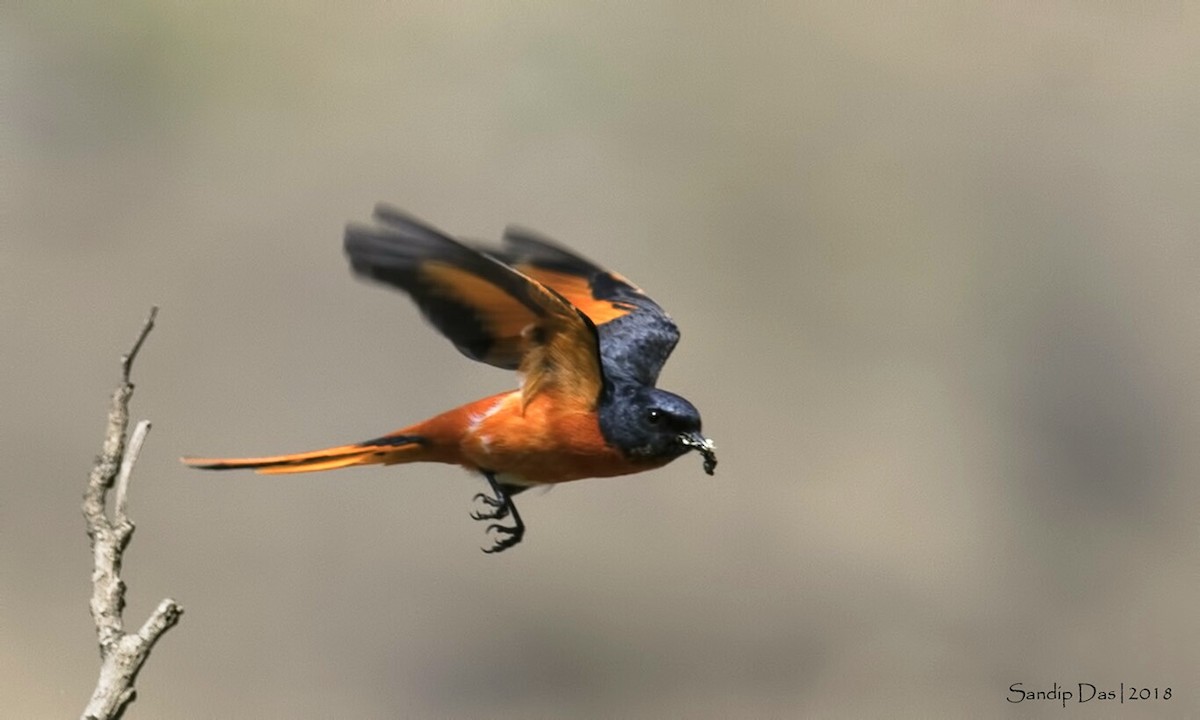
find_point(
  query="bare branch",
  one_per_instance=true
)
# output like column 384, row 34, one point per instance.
column 121, row 654
column 128, row 358
column 131, row 455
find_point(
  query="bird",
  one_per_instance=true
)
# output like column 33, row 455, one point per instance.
column 587, row 345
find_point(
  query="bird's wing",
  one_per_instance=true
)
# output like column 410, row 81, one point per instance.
column 636, row 335
column 490, row 311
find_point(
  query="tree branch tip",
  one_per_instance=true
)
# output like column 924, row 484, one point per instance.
column 164, row 617
column 128, row 358
column 132, row 450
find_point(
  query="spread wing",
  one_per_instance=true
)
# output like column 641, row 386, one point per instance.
column 636, row 335
column 490, row 311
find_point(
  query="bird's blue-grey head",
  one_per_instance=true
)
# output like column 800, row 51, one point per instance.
column 652, row 424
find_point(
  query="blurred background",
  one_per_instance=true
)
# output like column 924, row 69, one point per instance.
column 936, row 269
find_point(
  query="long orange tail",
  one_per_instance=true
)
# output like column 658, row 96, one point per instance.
column 386, row 450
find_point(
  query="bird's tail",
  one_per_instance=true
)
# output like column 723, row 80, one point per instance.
column 386, row 450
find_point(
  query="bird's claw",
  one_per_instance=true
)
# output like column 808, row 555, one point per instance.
column 508, row 536
column 497, row 510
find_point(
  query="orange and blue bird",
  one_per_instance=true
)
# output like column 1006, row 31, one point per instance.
column 587, row 344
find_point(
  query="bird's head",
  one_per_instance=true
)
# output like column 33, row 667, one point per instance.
column 655, row 425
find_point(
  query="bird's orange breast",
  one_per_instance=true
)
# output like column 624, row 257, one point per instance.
column 550, row 442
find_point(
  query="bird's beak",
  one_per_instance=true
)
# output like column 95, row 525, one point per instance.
column 705, row 446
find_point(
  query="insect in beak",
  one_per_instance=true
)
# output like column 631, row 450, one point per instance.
column 705, row 446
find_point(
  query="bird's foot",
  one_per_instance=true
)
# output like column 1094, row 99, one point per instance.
column 497, row 508
column 505, row 536
column 493, row 509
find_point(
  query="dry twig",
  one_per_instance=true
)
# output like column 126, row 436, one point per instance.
column 121, row 653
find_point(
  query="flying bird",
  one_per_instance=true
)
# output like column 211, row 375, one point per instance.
column 587, row 344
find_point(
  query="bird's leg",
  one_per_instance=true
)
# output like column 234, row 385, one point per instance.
column 498, row 508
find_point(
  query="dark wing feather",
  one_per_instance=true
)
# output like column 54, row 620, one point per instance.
column 402, row 253
column 636, row 335
column 490, row 311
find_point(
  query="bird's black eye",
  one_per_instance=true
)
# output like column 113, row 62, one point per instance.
column 655, row 416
